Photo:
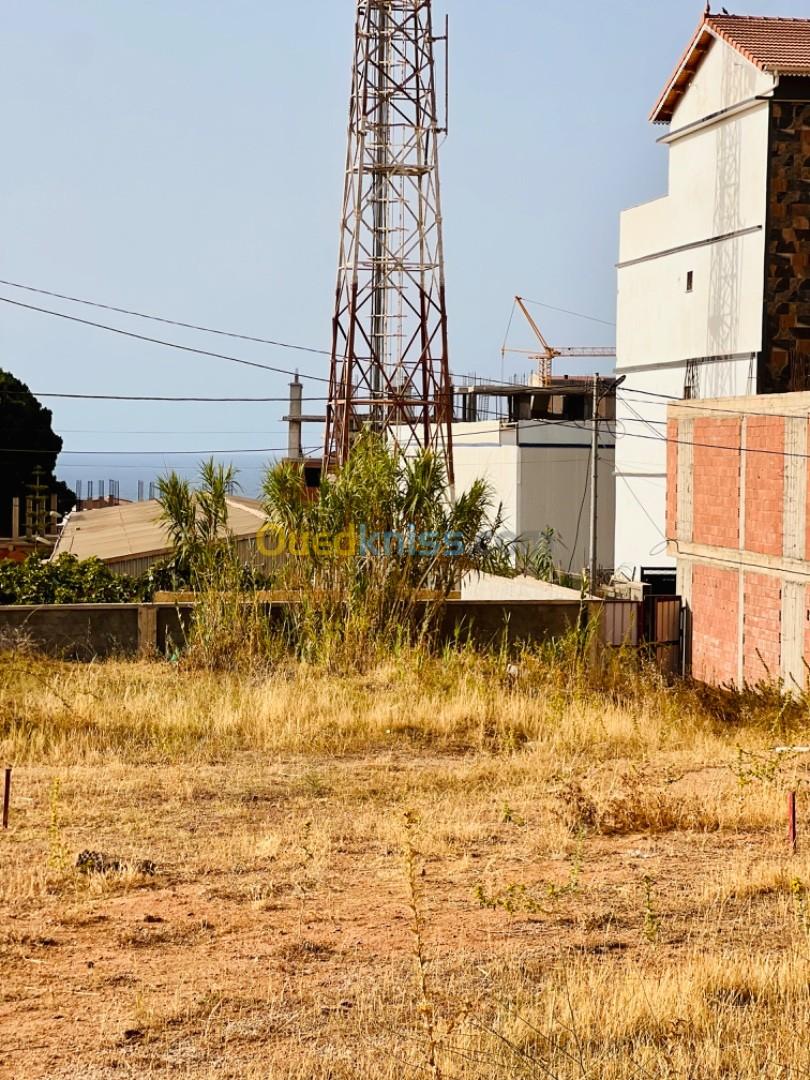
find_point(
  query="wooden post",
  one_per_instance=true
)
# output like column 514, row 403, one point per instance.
column 15, row 519
column 792, row 833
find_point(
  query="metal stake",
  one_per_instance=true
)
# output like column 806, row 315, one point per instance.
column 792, row 833
column 6, row 796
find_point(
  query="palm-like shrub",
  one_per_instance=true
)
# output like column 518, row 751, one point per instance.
column 229, row 626
column 373, row 557
column 197, row 520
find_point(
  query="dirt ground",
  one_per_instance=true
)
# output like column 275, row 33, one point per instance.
column 274, row 935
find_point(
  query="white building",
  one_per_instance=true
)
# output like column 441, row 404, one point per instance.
column 701, row 312
column 537, row 460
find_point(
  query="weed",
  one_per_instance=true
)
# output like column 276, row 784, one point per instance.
column 426, row 1004
column 574, row 872
column 510, row 817
column 514, row 898
column 652, row 921
column 801, row 904
column 751, row 767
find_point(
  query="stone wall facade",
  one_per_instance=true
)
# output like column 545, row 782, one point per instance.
column 785, row 360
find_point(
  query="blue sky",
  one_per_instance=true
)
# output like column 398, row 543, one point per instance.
column 185, row 157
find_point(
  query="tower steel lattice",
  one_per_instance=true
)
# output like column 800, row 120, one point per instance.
column 390, row 366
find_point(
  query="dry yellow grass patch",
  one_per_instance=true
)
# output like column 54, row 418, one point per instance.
column 597, row 883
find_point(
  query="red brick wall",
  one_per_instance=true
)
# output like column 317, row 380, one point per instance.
column 717, row 482
column 764, row 484
column 762, row 627
column 715, row 604
column 672, row 480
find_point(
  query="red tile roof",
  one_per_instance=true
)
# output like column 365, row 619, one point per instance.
column 776, row 46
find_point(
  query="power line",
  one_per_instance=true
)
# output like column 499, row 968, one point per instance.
column 116, row 431
column 183, row 467
column 577, row 426
column 159, row 341
column 153, row 397
column 161, row 319
column 207, row 329
column 686, row 403
column 144, row 453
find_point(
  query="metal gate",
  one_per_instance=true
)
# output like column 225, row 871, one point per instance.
column 662, row 632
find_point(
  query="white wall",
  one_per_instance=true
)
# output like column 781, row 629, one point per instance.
column 478, row 454
column 641, row 454
column 717, row 186
column 542, row 486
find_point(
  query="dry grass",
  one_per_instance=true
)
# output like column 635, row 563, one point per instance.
column 430, row 869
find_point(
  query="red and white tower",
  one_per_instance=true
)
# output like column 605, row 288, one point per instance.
column 390, row 366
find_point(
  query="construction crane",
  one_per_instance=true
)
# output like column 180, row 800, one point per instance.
column 545, row 358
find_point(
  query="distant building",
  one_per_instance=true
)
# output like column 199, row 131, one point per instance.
column 24, row 541
column 129, row 537
column 533, row 445
column 714, row 278
column 531, row 441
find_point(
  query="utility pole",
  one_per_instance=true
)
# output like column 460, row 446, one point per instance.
column 593, row 560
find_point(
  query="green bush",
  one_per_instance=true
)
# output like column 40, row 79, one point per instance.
column 66, row 580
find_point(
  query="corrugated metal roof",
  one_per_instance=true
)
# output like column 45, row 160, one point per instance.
column 133, row 530
column 777, row 46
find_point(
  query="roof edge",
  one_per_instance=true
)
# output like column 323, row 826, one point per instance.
column 665, row 106
column 679, row 68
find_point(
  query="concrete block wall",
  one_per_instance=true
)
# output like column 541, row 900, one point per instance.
column 738, row 493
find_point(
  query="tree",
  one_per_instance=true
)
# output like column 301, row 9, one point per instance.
column 197, row 520
column 29, row 448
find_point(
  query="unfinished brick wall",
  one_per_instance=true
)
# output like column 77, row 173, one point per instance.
column 738, row 508
column 717, row 481
column 764, row 484
column 762, row 628
column 714, row 608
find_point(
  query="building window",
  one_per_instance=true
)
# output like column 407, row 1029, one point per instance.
column 690, row 280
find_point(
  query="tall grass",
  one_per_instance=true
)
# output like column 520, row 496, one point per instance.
column 458, row 699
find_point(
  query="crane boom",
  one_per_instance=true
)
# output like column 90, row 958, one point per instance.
column 547, row 353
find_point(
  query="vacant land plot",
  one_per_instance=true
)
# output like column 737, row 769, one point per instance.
column 441, row 868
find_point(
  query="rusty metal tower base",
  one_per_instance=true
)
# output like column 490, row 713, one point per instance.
column 390, row 368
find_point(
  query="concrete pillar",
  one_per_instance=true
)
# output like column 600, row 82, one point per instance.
column 295, row 449
column 685, row 487
column 147, row 629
